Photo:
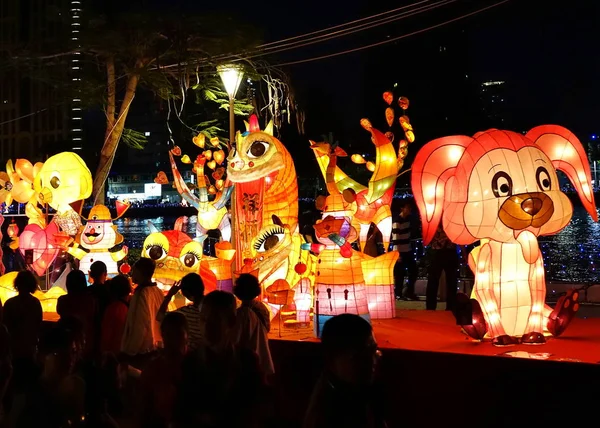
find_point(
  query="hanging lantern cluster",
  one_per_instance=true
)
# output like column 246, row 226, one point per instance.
column 390, row 118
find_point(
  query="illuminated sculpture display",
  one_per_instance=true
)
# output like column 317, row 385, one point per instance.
column 348, row 281
column 174, row 252
column 212, row 214
column 264, row 178
column 98, row 237
column 374, row 200
column 501, row 188
column 47, row 299
column 63, row 180
column 39, row 246
column 276, row 255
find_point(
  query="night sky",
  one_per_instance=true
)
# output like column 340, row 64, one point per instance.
column 545, row 51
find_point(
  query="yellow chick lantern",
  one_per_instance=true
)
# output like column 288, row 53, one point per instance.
column 64, row 179
column 97, row 237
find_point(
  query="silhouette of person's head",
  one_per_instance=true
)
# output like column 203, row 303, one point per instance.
column 98, row 272
column 119, row 287
column 174, row 331
column 76, row 282
column 192, row 287
column 142, row 271
column 218, row 318
column 25, row 282
column 350, row 349
column 246, row 287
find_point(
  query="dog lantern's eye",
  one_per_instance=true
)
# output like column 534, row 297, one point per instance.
column 543, row 178
column 502, row 184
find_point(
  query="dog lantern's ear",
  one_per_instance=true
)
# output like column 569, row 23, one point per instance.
column 434, row 164
column 567, row 155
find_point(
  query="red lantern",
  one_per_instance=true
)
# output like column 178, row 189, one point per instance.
column 300, row 268
column 125, row 268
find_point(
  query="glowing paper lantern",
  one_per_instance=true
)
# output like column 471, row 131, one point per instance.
column 378, row 273
column 211, row 214
column 303, row 300
column 219, row 156
column 275, row 251
column 63, row 179
column 37, row 245
column 174, row 252
column 186, row 159
column 265, row 184
column 339, row 284
column 388, row 97
column 49, row 299
column 389, row 116
column 176, row 150
column 97, row 238
column 7, row 286
column 501, row 188
column 373, row 201
column 199, row 140
column 12, row 230
column 356, row 158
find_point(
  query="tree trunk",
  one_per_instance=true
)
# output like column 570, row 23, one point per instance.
column 114, row 129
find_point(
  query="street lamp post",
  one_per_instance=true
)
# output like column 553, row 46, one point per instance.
column 231, row 75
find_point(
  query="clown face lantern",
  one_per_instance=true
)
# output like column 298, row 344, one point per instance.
column 99, row 235
column 501, row 188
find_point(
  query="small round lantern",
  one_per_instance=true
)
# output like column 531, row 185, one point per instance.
column 13, row 230
column 125, row 268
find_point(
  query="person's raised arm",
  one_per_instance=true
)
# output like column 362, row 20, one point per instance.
column 162, row 311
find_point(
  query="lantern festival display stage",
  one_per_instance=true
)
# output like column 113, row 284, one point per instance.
column 294, row 274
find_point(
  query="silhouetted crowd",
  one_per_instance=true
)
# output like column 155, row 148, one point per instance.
column 125, row 354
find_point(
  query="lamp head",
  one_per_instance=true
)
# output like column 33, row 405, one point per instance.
column 231, row 75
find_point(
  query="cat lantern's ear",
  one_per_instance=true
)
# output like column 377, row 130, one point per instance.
column 269, row 128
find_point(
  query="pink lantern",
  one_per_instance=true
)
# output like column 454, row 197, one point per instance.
column 41, row 243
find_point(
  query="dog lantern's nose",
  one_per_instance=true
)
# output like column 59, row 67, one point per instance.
column 532, row 206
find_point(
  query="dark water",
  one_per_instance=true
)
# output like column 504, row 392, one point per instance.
column 573, row 255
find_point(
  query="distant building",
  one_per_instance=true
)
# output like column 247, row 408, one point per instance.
column 493, row 102
column 33, row 122
column 142, row 188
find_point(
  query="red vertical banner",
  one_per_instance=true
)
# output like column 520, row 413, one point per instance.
column 248, row 216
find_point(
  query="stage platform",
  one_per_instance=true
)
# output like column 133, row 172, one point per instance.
column 433, row 375
column 436, row 331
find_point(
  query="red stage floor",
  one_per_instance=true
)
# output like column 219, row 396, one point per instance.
column 437, row 332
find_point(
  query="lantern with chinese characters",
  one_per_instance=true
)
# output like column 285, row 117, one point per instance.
column 501, row 188
column 98, row 237
column 264, row 178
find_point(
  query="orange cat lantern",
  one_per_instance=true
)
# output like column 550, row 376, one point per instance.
column 501, row 188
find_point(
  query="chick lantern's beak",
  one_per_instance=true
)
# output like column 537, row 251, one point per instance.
column 45, row 196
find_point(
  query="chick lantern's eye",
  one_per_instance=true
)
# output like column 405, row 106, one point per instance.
column 156, row 252
column 257, row 149
column 55, row 180
column 269, row 239
column 190, row 255
column 189, row 259
column 502, row 184
column 543, row 178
